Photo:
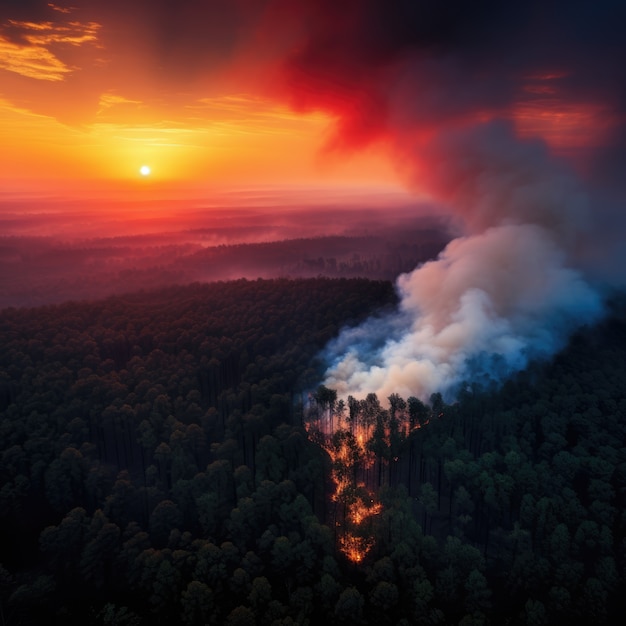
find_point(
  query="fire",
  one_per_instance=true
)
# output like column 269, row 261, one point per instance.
column 362, row 440
column 347, row 443
column 360, row 511
column 355, row 539
column 355, row 548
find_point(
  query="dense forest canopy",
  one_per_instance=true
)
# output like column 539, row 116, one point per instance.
column 168, row 457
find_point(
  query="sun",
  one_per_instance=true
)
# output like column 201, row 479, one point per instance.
column 145, row 170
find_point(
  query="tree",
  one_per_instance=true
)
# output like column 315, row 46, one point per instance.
column 244, row 482
column 437, row 405
column 65, row 479
column 328, row 590
column 121, row 505
column 462, row 509
column 478, row 594
column 208, row 513
column 379, row 445
column 270, row 463
column 113, row 615
column 241, row 616
column 34, row 596
column 282, row 557
column 447, row 586
column 198, row 604
column 535, row 613
column 349, row 606
column 418, row 412
column 260, row 594
column 220, row 480
column 239, row 582
column 164, row 518
column 428, row 498
column 165, row 586
column 96, row 563
column 64, row 542
column 397, row 404
column 423, row 594
column 384, row 597
column 593, row 603
column 326, row 399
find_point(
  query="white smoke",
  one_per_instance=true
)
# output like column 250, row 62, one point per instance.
column 506, row 293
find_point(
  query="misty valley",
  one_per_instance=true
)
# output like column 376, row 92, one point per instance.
column 105, row 256
column 170, row 456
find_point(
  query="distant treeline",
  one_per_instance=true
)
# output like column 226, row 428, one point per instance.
column 41, row 270
column 155, row 469
column 371, row 257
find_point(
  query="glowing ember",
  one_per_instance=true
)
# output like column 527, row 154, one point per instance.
column 355, row 548
column 360, row 511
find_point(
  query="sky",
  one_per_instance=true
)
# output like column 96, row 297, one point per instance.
column 274, row 92
column 92, row 91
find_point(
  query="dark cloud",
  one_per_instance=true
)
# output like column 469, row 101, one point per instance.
column 449, row 59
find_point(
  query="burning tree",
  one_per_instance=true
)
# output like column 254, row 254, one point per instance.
column 367, row 438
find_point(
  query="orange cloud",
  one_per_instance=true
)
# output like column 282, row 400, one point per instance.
column 27, row 50
column 74, row 33
column 111, row 100
column 55, row 7
column 32, row 61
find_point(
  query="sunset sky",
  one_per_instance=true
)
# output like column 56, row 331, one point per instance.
column 93, row 91
column 231, row 93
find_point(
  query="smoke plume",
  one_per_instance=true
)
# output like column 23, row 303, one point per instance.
column 508, row 291
column 503, row 115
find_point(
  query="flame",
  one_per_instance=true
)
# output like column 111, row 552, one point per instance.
column 355, row 548
column 348, row 450
column 360, row 511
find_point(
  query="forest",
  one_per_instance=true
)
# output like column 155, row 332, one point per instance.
column 45, row 272
column 169, row 456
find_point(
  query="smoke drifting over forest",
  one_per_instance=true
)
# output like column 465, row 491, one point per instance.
column 89, row 252
column 509, row 291
column 475, row 107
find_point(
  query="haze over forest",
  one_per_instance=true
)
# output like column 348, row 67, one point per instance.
column 93, row 251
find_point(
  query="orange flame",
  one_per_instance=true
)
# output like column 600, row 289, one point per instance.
column 346, row 451
column 355, row 548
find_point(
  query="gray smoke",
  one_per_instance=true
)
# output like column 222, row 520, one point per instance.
column 512, row 289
